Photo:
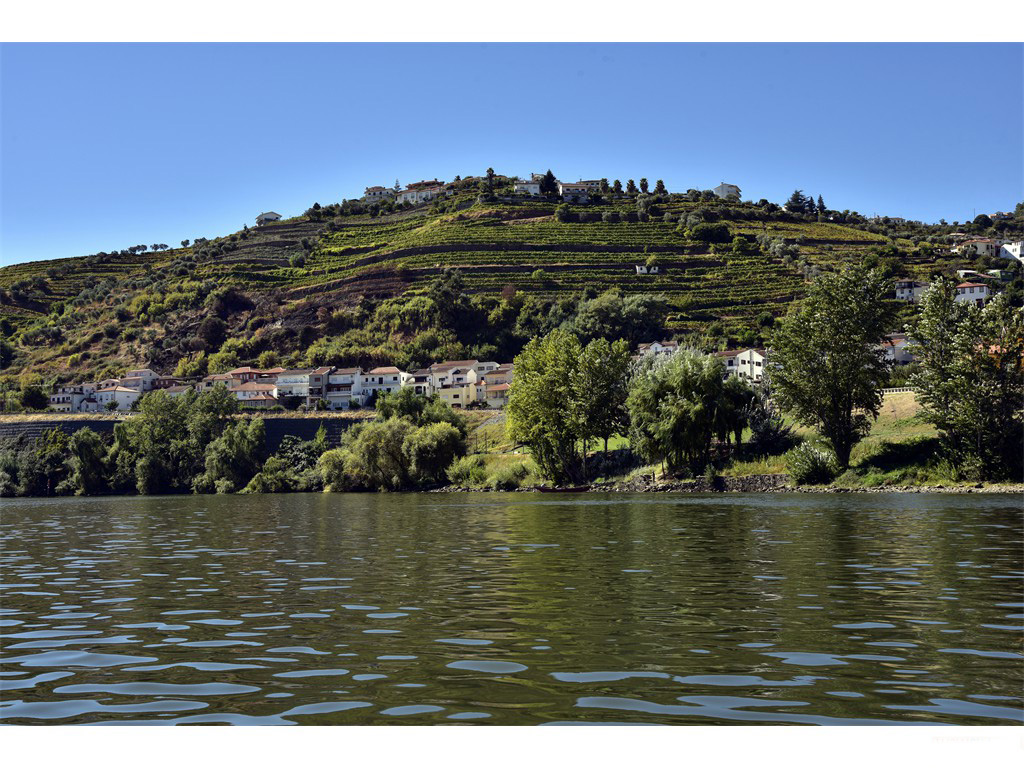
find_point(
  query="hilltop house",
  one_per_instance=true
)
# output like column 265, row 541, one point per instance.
column 527, row 188
column 574, row 193
column 266, row 218
column 69, row 399
column 384, row 378
column 726, row 191
column 421, row 192
column 973, row 293
column 309, row 384
column 377, row 194
column 141, row 379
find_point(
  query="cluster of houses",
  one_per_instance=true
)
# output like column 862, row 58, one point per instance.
column 977, row 287
column 459, row 383
column 975, row 247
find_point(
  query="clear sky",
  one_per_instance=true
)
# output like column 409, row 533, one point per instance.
column 109, row 145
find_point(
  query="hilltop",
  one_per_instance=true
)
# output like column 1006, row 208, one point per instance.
column 364, row 283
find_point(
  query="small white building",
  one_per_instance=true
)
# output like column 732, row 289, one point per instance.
column 141, row 378
column 910, row 290
column 973, row 293
column 527, row 188
column 421, row 192
column 384, row 378
column 344, row 387
column 643, row 269
column 656, row 348
column 726, row 191
column 897, row 349
column 750, row 364
column 255, row 394
column 574, row 193
column 1012, row 250
column 267, row 217
column 377, row 194
column 69, row 398
column 973, row 248
column 124, row 397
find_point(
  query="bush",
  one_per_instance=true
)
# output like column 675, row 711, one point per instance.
column 508, row 478
column 710, row 233
column 562, row 213
column 468, row 471
column 811, row 465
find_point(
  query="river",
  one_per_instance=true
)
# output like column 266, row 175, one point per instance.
column 513, row 609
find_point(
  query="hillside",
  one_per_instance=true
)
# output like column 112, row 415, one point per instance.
column 342, row 285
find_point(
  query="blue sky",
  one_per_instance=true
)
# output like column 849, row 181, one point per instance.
column 108, row 145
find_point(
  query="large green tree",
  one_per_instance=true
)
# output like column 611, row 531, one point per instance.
column 678, row 405
column 970, row 380
column 542, row 413
column 601, row 388
column 827, row 365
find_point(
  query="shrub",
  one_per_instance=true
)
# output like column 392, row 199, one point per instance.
column 710, row 233
column 508, row 478
column 811, row 465
column 562, row 213
column 468, row 471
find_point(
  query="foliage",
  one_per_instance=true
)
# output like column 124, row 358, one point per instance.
column 811, row 465
column 827, row 366
column 678, row 405
column 970, row 380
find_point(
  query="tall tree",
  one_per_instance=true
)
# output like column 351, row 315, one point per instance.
column 631, row 188
column 549, row 184
column 970, row 380
column 617, row 187
column 821, row 205
column 797, row 203
column 541, row 413
column 490, row 179
column 659, row 188
column 601, row 388
column 827, row 366
column 643, row 186
column 605, row 187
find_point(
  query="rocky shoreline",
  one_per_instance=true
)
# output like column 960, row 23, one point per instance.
column 760, row 484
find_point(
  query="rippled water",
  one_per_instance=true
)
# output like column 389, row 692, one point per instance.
column 513, row 609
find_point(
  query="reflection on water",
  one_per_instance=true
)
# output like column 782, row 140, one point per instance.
column 513, row 609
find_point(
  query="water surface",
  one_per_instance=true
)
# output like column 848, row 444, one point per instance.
column 513, row 609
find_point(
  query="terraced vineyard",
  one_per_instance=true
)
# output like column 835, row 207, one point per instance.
column 306, row 265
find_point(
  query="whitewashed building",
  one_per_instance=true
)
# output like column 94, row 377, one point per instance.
column 910, row 290
column 973, row 293
column 726, row 191
column 527, row 187
column 267, row 217
column 658, row 348
column 1013, row 250
column 125, row 397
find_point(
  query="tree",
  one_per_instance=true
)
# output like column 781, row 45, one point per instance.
column 184, row 243
column 562, row 213
column 431, row 449
column 982, row 221
column 541, row 413
column 677, row 405
column 601, row 387
column 605, row 187
column 231, row 460
column 970, row 380
column 709, row 233
column 631, row 188
column 797, row 203
column 821, row 205
column 549, row 184
column 659, row 188
column 85, row 464
column 643, row 186
column 617, row 187
column 827, row 366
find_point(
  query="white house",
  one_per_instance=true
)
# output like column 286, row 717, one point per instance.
column 978, row 248
column 377, row 194
column 574, row 193
column 910, row 290
column 307, row 383
column 255, row 394
column 123, row 396
column 643, row 269
column 973, row 293
column 726, row 191
column 141, row 378
column 421, row 192
column 896, row 348
column 750, row 364
column 385, row 378
column 527, row 188
column 1012, row 250
column 69, row 399
column 267, row 217
column 658, row 348
column 344, row 387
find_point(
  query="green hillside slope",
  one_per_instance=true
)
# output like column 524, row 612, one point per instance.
column 354, row 288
